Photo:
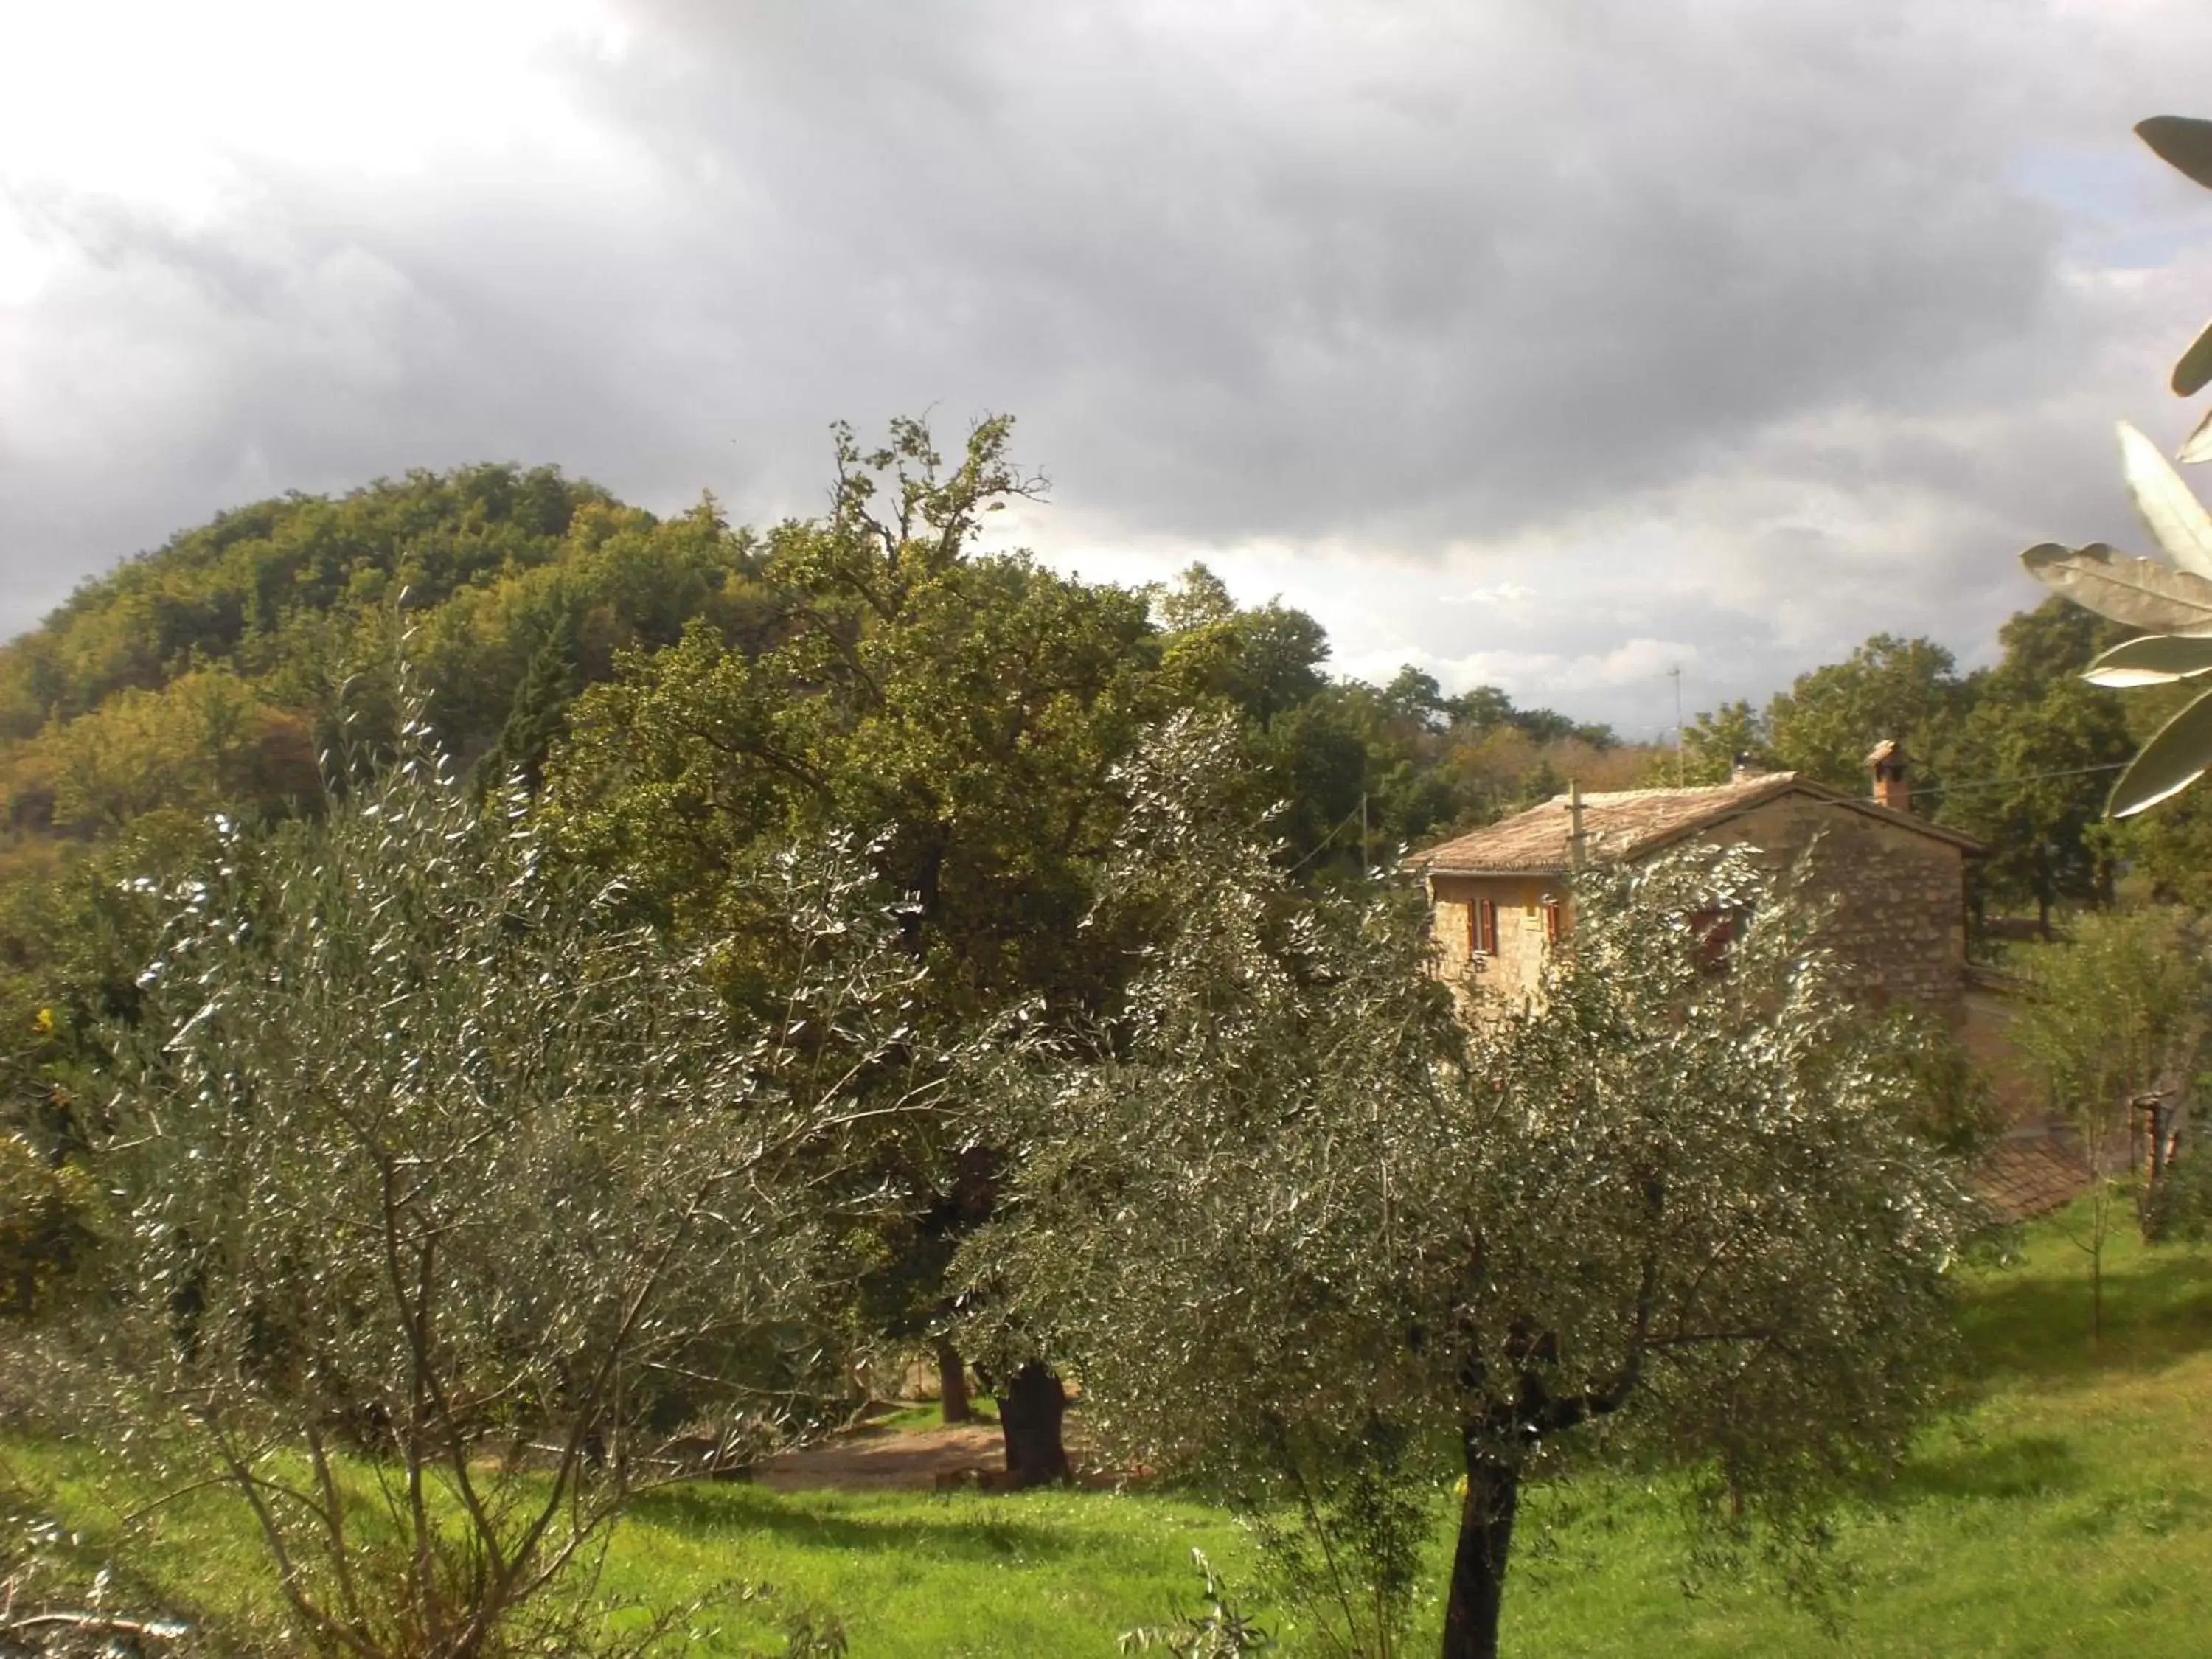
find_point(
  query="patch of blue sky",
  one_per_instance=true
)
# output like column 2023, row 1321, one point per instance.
column 2123, row 209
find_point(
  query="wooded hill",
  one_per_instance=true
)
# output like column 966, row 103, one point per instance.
column 228, row 671
column 210, row 673
column 221, row 672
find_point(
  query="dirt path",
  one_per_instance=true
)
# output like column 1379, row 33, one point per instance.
column 875, row 1459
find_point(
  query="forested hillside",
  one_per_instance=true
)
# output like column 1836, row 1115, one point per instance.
column 224, row 670
column 218, row 672
column 231, row 670
column 213, row 671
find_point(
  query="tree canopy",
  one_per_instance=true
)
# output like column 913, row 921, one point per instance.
column 1303, row 1227
column 429, row 1154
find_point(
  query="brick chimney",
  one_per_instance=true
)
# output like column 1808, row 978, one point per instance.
column 1887, row 762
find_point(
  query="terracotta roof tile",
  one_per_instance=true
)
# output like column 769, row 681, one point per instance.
column 1624, row 823
column 2028, row 1178
column 1616, row 823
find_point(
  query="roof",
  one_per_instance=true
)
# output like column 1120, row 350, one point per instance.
column 1630, row 824
column 2029, row 1177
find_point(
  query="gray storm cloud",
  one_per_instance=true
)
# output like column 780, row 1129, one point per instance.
column 1747, row 328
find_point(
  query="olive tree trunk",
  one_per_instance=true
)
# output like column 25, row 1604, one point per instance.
column 1030, row 1408
column 952, row 1384
column 1477, row 1573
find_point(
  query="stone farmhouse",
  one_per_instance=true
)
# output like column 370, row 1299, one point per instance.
column 1899, row 925
column 1899, row 928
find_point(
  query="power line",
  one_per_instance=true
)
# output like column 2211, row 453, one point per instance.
column 1343, row 823
column 1982, row 784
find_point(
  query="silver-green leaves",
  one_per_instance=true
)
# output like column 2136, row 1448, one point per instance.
column 2154, row 659
column 455, row 1156
column 2194, row 370
column 2141, row 592
column 2198, row 445
column 2177, row 520
column 2185, row 145
column 2180, row 754
column 2145, row 593
column 2173, row 603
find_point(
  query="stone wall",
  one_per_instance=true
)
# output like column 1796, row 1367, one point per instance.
column 1513, row 971
column 1993, row 1002
column 1899, row 921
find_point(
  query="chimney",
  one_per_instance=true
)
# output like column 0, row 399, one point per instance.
column 1887, row 762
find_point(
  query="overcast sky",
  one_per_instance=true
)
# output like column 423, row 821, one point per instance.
column 1549, row 344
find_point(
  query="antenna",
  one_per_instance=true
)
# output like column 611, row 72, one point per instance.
column 1675, row 675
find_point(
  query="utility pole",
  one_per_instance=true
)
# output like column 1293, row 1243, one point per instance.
column 1675, row 675
column 1575, row 825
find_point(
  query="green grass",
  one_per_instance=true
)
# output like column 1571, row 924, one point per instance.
column 930, row 1414
column 2067, row 1510
column 905, row 1573
column 952, row 1574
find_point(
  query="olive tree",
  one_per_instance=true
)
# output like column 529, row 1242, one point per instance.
column 1311, row 1228
column 445, row 1180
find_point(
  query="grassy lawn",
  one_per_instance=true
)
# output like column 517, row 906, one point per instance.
column 2068, row 1512
column 905, row 1573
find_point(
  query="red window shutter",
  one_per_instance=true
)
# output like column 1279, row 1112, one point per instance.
column 1714, row 933
column 1486, row 925
column 1554, row 924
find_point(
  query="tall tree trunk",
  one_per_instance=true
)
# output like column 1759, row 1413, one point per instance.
column 951, row 1383
column 1029, row 1412
column 1477, row 1576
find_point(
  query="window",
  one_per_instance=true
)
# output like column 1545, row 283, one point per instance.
column 1482, row 928
column 1714, row 932
column 1555, row 921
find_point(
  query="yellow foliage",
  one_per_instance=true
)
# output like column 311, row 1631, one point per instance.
column 206, row 740
column 46, row 1226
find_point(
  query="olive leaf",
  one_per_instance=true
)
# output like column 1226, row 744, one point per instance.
column 2154, row 659
column 2141, row 592
column 2172, row 760
column 2173, row 603
column 2183, row 142
column 2198, row 445
column 2177, row 520
column 2194, row 372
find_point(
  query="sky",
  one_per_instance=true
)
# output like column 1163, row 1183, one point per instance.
column 1554, row 345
